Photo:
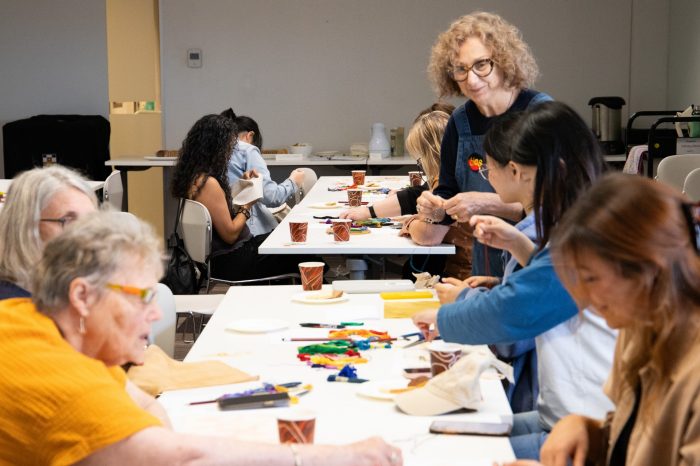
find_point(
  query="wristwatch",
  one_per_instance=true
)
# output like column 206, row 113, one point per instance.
column 372, row 213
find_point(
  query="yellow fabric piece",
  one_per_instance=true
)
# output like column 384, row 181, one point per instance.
column 160, row 373
column 59, row 405
column 337, row 362
column 358, row 332
column 406, row 295
column 406, row 309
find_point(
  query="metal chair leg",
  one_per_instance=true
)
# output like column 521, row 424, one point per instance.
column 189, row 318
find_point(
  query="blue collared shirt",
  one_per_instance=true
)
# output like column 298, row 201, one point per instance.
column 247, row 157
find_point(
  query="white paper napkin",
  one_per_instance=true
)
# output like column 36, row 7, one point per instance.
column 247, row 191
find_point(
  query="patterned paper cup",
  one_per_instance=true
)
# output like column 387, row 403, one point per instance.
column 297, row 230
column 415, row 179
column 358, row 177
column 354, row 197
column 443, row 356
column 341, row 230
column 296, row 426
column 311, row 275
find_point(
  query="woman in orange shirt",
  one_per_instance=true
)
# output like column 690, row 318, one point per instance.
column 60, row 357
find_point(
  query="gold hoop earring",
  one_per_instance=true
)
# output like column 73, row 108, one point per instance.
column 81, row 327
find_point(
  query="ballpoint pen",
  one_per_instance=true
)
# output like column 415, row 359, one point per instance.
column 338, row 378
column 316, row 325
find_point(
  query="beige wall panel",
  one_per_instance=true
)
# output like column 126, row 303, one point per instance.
column 133, row 50
column 134, row 135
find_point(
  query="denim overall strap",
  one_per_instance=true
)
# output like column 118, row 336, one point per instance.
column 469, row 145
column 469, row 153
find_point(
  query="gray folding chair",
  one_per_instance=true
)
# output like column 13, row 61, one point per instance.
column 310, row 179
column 163, row 330
column 691, row 186
column 113, row 191
column 196, row 228
column 673, row 169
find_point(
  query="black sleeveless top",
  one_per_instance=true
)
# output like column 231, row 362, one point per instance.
column 218, row 245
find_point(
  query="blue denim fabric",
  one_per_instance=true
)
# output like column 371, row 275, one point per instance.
column 527, row 436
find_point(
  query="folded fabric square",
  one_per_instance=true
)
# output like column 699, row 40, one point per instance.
column 246, row 191
column 160, row 373
column 406, row 309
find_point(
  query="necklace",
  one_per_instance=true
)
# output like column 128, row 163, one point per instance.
column 510, row 100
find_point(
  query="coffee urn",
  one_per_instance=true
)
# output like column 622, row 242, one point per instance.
column 606, row 123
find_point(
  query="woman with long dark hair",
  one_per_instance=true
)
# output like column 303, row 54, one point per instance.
column 628, row 250
column 551, row 159
column 200, row 175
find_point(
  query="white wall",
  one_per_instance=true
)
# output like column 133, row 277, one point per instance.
column 54, row 59
column 321, row 71
column 648, row 80
column 684, row 54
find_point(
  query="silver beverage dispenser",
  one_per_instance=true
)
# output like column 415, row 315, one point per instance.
column 606, row 123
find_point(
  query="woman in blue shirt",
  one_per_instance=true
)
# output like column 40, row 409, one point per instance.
column 246, row 157
column 544, row 159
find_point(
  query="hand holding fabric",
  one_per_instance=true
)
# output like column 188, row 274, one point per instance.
column 497, row 233
column 426, row 321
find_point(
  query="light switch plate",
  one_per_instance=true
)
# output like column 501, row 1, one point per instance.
column 194, row 58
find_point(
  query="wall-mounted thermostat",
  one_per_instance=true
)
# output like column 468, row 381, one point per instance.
column 194, row 58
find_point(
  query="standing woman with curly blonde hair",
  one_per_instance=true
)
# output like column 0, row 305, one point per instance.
column 484, row 58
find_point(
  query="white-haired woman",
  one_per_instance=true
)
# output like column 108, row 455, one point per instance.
column 60, row 356
column 40, row 203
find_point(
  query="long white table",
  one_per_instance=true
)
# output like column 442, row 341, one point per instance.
column 140, row 163
column 342, row 415
column 380, row 241
column 339, row 165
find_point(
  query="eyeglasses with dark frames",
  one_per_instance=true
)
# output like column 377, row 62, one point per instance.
column 146, row 295
column 481, row 68
column 65, row 220
column 421, row 170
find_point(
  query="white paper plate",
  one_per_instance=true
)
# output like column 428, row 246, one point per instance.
column 323, row 205
column 305, row 298
column 379, row 389
column 164, row 159
column 257, row 325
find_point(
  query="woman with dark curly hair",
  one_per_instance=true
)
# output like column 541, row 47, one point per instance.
column 201, row 175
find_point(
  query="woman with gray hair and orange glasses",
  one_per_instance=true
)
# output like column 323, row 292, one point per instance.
column 60, row 356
